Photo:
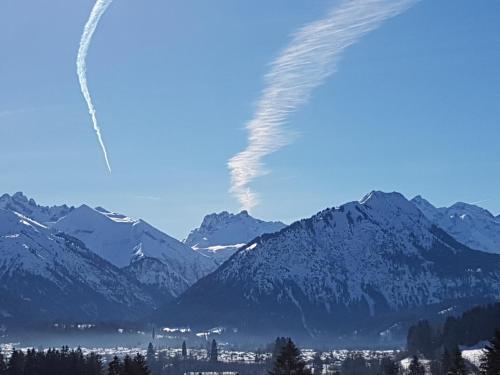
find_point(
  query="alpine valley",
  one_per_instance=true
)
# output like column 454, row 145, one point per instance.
column 367, row 267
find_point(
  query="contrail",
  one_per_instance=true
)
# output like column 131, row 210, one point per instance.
column 311, row 56
column 81, row 67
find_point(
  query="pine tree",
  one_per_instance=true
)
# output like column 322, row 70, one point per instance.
column 30, row 362
column 490, row 363
column 416, row 368
column 115, row 367
column 140, row 365
column 151, row 356
column 184, row 350
column 289, row 361
column 16, row 363
column 446, row 362
column 458, row 364
column 279, row 344
column 128, row 366
column 389, row 367
column 3, row 365
column 421, row 339
column 93, row 364
column 214, row 352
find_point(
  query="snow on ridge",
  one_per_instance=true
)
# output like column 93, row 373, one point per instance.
column 227, row 229
column 220, row 235
column 346, row 249
column 469, row 224
column 38, row 251
column 28, row 207
column 123, row 240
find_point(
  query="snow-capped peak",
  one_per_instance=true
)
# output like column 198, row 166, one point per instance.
column 28, row 207
column 342, row 266
column 221, row 234
column 122, row 240
column 226, row 229
column 47, row 275
column 470, row 224
column 387, row 201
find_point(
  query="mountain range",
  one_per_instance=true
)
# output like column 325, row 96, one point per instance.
column 151, row 265
column 46, row 276
column 220, row 235
column 472, row 225
column 363, row 266
column 122, row 241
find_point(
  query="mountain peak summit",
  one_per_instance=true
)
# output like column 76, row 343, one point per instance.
column 469, row 224
column 28, row 207
column 221, row 234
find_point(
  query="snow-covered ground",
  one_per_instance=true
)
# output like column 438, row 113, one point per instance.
column 473, row 356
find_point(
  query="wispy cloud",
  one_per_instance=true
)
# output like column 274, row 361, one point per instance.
column 81, row 67
column 309, row 59
column 481, row 201
column 147, row 197
column 11, row 112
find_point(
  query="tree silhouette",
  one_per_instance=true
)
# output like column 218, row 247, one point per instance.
column 289, row 361
column 151, row 356
column 389, row 367
column 214, row 352
column 140, row 365
column 458, row 363
column 184, row 350
column 16, row 363
column 3, row 365
column 490, row 363
column 115, row 367
column 416, row 368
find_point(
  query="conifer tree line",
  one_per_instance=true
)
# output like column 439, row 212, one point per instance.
column 286, row 359
column 68, row 362
column 451, row 362
column 471, row 327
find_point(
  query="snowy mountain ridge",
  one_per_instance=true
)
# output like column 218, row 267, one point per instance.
column 48, row 275
column 221, row 234
column 18, row 202
column 380, row 256
column 122, row 240
column 467, row 223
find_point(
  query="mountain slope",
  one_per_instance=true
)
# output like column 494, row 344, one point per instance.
column 472, row 225
column 158, row 276
column 122, row 240
column 47, row 277
column 364, row 264
column 29, row 208
column 220, row 235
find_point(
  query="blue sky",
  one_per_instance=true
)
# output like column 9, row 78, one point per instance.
column 413, row 107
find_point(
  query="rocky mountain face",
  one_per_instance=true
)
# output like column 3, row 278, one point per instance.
column 18, row 202
column 46, row 276
column 159, row 276
column 221, row 234
column 362, row 266
column 469, row 224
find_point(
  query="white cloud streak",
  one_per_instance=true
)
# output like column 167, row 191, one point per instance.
column 311, row 56
column 81, row 67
